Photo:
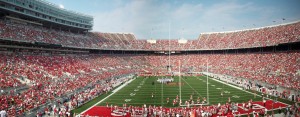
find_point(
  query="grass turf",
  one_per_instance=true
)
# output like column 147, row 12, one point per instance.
column 191, row 84
column 139, row 92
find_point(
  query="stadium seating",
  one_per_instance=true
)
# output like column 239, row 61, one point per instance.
column 261, row 37
column 54, row 76
column 275, row 68
column 50, row 77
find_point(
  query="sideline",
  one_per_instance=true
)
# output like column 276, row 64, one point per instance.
column 113, row 92
column 246, row 92
column 227, row 84
column 220, row 81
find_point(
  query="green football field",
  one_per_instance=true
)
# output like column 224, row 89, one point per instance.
column 140, row 90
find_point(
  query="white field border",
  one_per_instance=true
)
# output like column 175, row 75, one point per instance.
column 246, row 92
column 113, row 92
column 241, row 89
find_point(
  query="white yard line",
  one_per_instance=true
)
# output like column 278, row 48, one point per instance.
column 220, row 81
column 113, row 92
column 227, row 84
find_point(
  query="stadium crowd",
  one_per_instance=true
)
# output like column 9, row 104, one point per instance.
column 260, row 37
column 279, row 68
column 63, row 109
column 51, row 77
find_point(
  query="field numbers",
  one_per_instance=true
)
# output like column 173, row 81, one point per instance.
column 127, row 100
column 235, row 96
column 132, row 94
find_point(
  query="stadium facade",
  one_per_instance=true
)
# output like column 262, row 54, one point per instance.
column 44, row 13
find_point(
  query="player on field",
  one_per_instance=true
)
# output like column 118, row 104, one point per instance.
column 204, row 100
column 168, row 100
column 174, row 102
column 180, row 102
column 198, row 100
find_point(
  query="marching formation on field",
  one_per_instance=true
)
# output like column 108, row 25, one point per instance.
column 165, row 80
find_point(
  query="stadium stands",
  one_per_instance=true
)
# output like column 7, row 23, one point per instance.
column 55, row 76
column 261, row 37
column 275, row 68
column 49, row 77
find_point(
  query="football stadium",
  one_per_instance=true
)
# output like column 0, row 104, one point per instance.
column 149, row 58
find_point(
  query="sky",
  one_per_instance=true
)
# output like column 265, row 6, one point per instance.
column 177, row 19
